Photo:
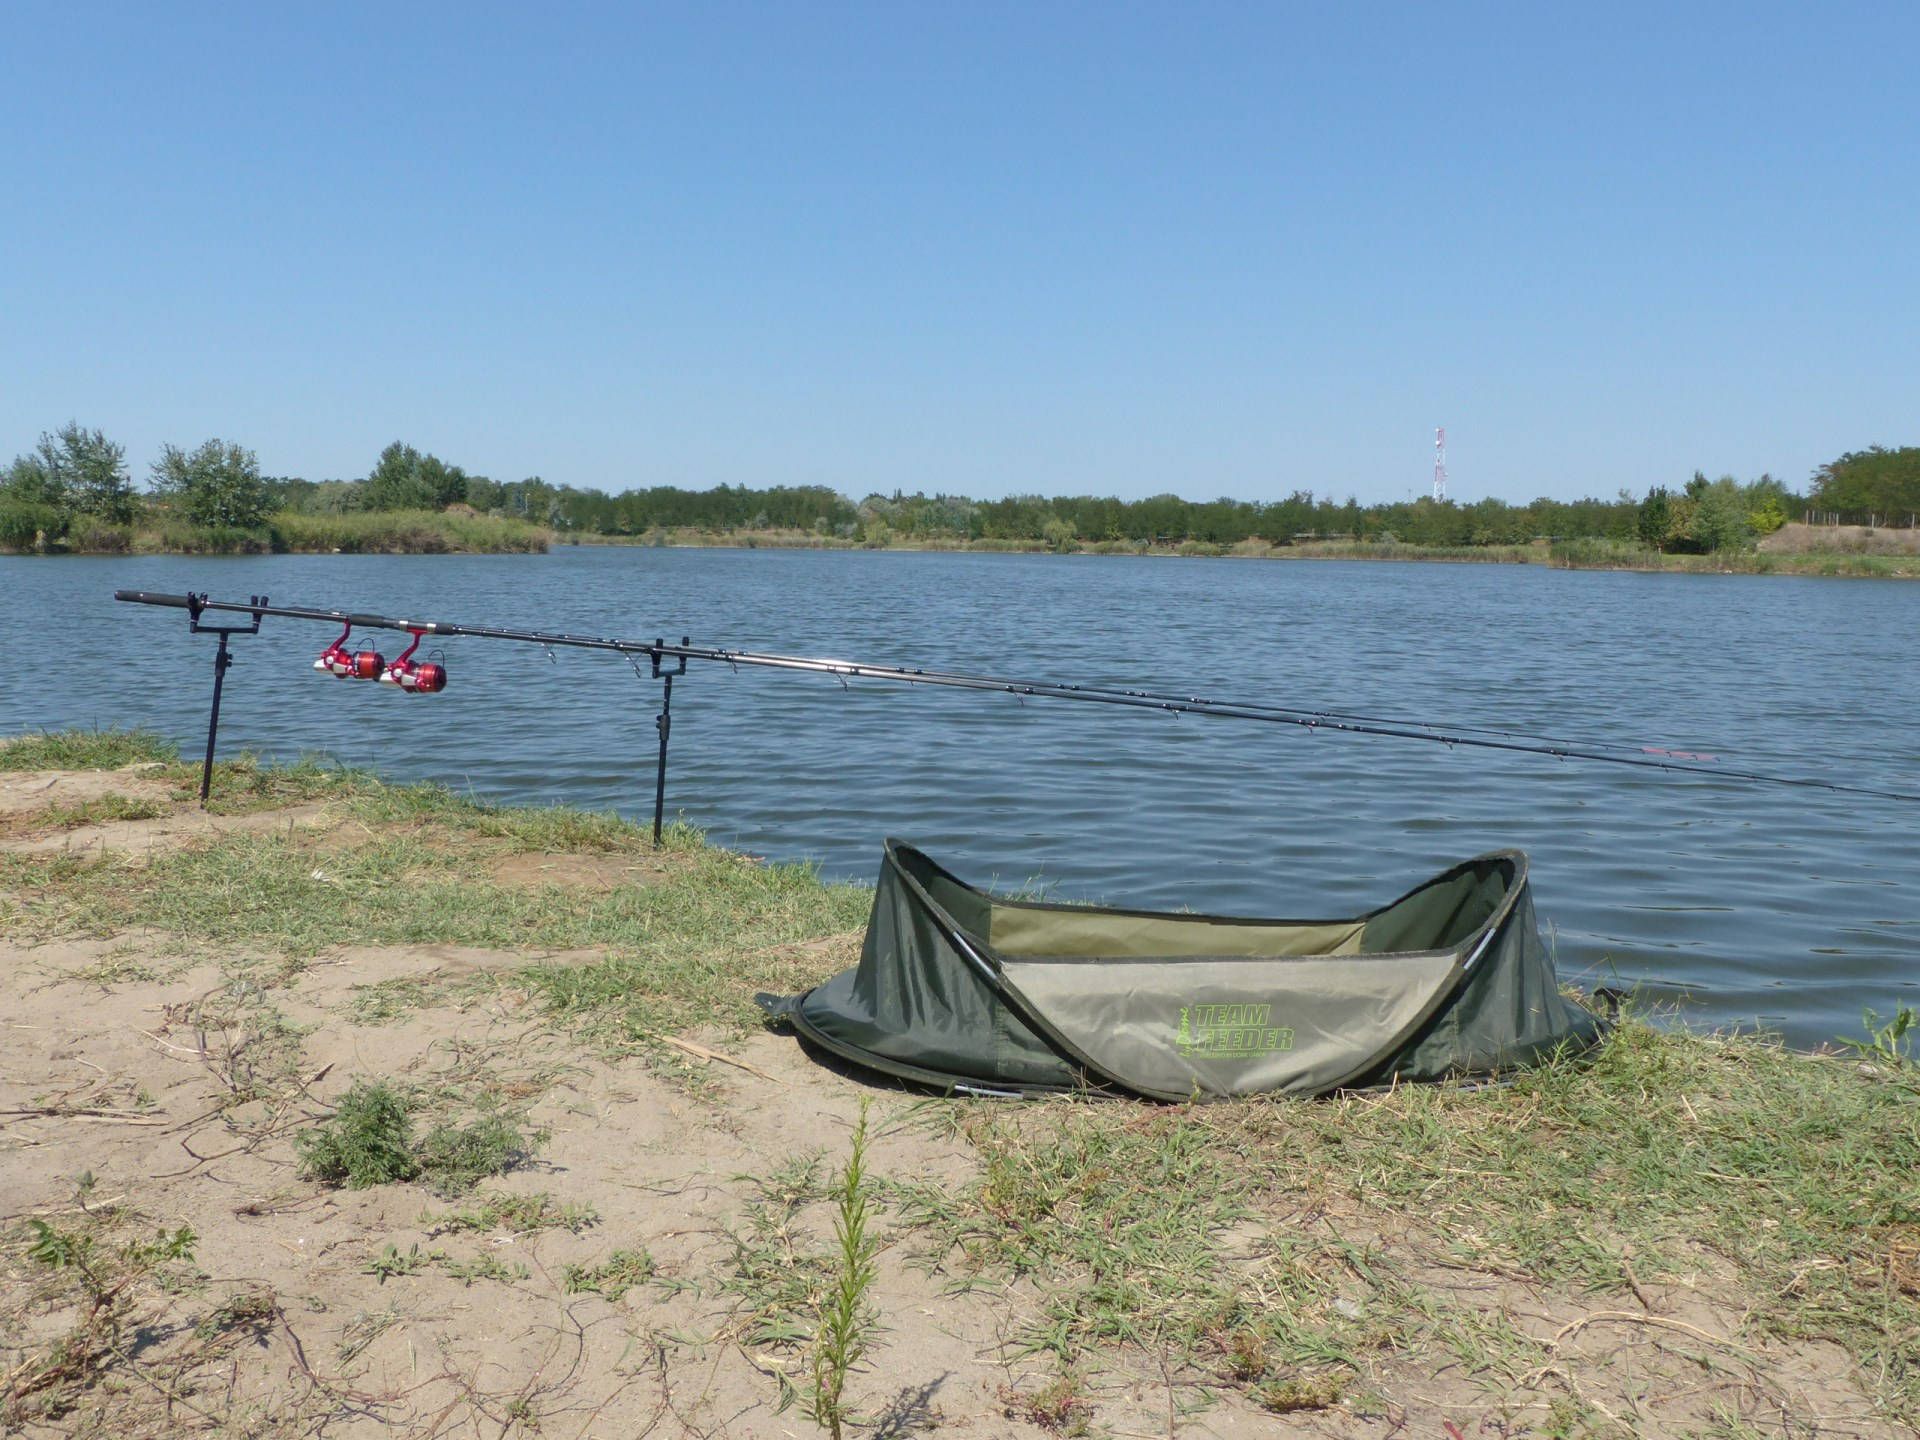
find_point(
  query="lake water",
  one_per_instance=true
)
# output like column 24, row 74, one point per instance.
column 1737, row 903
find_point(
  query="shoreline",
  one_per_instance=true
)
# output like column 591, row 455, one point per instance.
column 402, row 533
column 1567, row 555
column 641, row 1163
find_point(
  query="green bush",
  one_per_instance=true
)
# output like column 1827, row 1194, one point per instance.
column 397, row 532
column 21, row 524
column 170, row 536
column 455, row 1158
column 367, row 1142
column 100, row 537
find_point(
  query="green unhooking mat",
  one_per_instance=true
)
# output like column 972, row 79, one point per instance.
column 969, row 992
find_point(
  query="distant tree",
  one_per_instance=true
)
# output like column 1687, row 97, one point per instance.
column 214, row 484
column 1768, row 516
column 88, row 472
column 31, row 481
column 1875, row 479
column 1656, row 518
column 1720, row 517
column 484, row 494
column 396, row 482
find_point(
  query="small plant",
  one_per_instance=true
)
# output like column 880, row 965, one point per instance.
column 483, row 1267
column 251, row 1312
column 455, row 1158
column 521, row 1214
column 1890, row 1044
column 613, row 1277
column 108, row 1275
column 846, row 1316
column 366, row 1143
column 1060, row 1406
column 1306, row 1392
column 394, row 1261
column 361, row 1331
column 103, row 811
column 1246, row 1354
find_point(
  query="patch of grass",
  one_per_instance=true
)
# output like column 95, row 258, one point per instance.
column 480, row 1267
column 86, row 750
column 360, row 1332
column 393, row 1263
column 115, row 969
column 1171, row 1229
column 386, row 1000
column 249, row 1313
column 516, row 1214
column 103, row 810
column 1283, row 1397
column 620, row 1272
column 245, row 784
column 369, row 1140
column 1598, row 554
column 779, row 1279
column 694, row 945
column 252, row 1047
column 1889, row 1044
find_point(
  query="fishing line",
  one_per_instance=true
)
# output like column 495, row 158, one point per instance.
column 1644, row 757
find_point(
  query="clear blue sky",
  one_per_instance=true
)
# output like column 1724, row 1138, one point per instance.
column 1113, row 248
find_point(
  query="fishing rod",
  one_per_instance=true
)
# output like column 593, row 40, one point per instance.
column 340, row 662
column 666, row 661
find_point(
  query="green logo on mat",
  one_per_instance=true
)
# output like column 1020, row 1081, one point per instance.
column 1229, row 1032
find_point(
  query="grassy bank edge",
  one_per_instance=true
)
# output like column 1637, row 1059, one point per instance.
column 387, row 532
column 1559, row 555
column 1786, row 1175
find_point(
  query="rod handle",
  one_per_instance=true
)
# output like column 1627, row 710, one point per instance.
column 150, row 597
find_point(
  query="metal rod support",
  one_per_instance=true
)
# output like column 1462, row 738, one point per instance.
column 221, row 660
column 663, row 722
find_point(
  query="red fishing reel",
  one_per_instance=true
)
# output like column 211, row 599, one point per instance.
column 416, row 677
column 345, row 664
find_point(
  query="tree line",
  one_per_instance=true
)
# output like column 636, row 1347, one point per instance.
column 76, row 480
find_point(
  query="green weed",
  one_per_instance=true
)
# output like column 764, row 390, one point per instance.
column 454, row 1158
column 1889, row 1044
column 847, row 1316
column 393, row 1261
column 517, row 1214
column 369, row 1140
column 1060, row 1407
column 620, row 1272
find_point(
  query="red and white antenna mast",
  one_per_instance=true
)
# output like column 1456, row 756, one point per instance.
column 1440, row 464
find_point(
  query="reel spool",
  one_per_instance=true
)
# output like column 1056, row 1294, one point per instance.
column 422, row 677
column 344, row 664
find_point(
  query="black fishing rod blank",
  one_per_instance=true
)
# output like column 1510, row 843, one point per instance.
column 369, row 665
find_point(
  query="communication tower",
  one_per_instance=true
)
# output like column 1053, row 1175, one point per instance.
column 1440, row 464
